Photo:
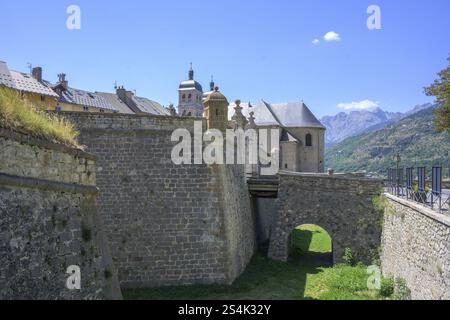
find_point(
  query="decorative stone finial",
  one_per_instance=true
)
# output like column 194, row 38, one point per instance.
column 251, row 121
column 216, row 88
column 238, row 118
column 172, row 110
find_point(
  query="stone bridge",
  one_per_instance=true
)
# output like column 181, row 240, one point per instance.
column 342, row 205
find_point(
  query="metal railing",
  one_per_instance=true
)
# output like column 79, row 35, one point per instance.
column 415, row 188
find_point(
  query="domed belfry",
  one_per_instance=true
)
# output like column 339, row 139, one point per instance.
column 216, row 110
column 190, row 95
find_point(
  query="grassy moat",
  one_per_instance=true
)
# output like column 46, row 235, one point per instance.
column 309, row 275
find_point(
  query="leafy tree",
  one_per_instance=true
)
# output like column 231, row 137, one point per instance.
column 441, row 90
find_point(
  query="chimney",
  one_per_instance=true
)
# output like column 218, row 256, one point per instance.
column 129, row 94
column 62, row 81
column 37, row 73
column 127, row 97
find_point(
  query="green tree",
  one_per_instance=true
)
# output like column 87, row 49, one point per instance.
column 441, row 90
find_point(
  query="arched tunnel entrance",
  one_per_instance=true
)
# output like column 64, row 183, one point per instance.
column 344, row 206
column 311, row 245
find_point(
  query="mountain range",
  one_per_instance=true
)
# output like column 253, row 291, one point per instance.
column 345, row 125
column 413, row 136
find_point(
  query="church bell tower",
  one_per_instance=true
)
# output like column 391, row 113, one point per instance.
column 190, row 95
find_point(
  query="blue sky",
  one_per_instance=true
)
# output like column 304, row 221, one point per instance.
column 254, row 49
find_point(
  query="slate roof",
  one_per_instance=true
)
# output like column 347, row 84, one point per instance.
column 150, row 106
column 101, row 100
column 115, row 102
column 291, row 115
column 86, row 99
column 23, row 82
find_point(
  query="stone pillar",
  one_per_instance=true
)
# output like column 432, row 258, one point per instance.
column 251, row 168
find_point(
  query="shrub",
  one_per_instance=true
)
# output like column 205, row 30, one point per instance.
column 401, row 290
column 348, row 257
column 387, row 287
column 375, row 255
column 19, row 114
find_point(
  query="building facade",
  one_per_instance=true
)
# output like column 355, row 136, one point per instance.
column 29, row 86
column 302, row 136
column 61, row 97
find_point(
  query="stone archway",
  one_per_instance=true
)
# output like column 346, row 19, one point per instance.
column 341, row 205
column 281, row 243
column 311, row 245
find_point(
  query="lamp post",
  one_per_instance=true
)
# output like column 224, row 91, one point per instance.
column 398, row 159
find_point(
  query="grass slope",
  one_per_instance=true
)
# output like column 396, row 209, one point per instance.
column 414, row 137
column 264, row 279
column 312, row 238
column 19, row 114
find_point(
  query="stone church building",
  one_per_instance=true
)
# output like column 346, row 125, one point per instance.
column 302, row 136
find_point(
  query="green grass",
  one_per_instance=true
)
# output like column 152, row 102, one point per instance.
column 271, row 280
column 20, row 115
column 302, row 278
column 312, row 238
column 342, row 283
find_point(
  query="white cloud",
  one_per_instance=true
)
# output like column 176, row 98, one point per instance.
column 332, row 36
column 358, row 105
column 316, row 42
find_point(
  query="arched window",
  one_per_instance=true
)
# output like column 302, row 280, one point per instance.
column 308, row 139
column 189, row 97
column 183, row 97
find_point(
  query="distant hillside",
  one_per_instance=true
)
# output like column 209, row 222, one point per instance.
column 414, row 137
column 346, row 125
